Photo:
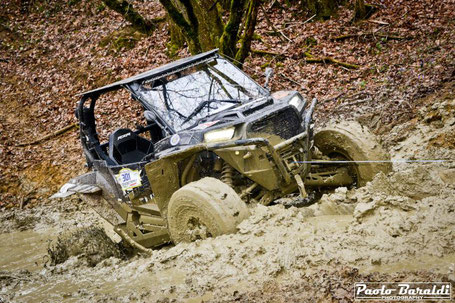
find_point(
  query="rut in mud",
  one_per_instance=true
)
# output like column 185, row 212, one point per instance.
column 400, row 226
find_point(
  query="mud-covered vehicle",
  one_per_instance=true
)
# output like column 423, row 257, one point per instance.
column 214, row 142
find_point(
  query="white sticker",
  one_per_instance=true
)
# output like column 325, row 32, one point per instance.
column 205, row 125
column 128, row 179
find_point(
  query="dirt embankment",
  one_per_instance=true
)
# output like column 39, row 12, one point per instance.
column 398, row 227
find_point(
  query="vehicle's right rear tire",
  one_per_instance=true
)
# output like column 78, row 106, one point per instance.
column 204, row 208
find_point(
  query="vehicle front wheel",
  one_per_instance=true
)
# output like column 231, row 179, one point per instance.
column 353, row 142
column 204, row 208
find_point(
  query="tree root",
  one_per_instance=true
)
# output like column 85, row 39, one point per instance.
column 50, row 136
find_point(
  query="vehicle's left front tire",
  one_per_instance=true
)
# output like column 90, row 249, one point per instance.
column 204, row 208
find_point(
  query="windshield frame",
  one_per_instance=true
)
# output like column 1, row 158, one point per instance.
column 252, row 91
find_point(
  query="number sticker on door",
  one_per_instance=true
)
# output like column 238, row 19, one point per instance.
column 128, row 179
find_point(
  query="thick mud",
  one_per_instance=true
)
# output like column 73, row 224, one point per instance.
column 400, row 226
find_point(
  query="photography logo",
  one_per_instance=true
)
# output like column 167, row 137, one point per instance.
column 402, row 291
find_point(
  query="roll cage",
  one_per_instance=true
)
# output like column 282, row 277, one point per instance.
column 159, row 127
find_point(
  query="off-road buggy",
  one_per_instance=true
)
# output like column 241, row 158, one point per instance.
column 214, row 141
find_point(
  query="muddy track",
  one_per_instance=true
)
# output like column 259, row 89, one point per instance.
column 400, row 226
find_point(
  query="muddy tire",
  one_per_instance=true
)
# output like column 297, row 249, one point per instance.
column 204, row 208
column 356, row 143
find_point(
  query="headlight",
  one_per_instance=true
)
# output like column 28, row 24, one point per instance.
column 219, row 135
column 297, row 102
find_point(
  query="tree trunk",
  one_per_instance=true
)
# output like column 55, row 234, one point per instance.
column 250, row 24
column 323, row 9
column 200, row 24
column 126, row 9
column 228, row 40
column 360, row 11
column 210, row 23
column 190, row 34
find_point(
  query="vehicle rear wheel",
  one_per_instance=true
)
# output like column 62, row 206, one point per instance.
column 353, row 142
column 204, row 208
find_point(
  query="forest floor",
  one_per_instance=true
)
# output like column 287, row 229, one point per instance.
column 399, row 227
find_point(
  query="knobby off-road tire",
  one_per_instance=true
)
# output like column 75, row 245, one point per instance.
column 355, row 143
column 204, row 208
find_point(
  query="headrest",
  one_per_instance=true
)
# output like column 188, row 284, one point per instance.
column 122, row 135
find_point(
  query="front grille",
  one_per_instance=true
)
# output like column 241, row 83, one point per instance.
column 284, row 123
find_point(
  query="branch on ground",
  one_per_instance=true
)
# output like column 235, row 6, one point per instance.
column 369, row 34
column 265, row 53
column 50, row 136
column 331, row 60
column 310, row 58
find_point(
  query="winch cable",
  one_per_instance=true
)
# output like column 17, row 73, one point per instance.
column 372, row 161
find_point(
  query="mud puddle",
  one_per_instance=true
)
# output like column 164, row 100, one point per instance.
column 25, row 250
column 429, row 263
column 96, row 284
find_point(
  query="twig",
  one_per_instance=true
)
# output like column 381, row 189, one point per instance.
column 308, row 20
column 354, row 103
column 213, row 5
column 333, row 98
column 293, row 81
column 301, row 23
column 133, row 243
column 275, row 30
column 50, row 136
column 275, row 2
column 376, row 22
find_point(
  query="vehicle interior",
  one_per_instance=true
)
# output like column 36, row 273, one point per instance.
column 123, row 145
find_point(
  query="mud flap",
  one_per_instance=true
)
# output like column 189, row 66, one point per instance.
column 70, row 189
